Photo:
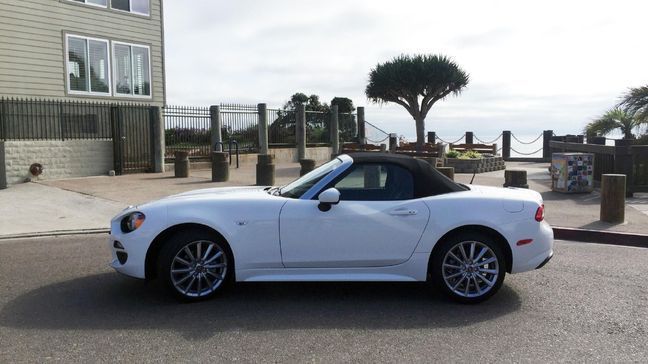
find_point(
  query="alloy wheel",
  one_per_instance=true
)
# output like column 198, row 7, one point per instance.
column 199, row 268
column 470, row 269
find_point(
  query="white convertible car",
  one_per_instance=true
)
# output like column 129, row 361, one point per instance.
column 359, row 217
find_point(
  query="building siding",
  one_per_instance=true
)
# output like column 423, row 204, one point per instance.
column 32, row 33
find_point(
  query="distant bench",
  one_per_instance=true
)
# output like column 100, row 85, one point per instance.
column 480, row 148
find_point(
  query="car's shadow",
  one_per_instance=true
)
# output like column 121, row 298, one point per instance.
column 111, row 301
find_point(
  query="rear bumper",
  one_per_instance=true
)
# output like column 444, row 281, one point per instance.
column 545, row 261
column 535, row 255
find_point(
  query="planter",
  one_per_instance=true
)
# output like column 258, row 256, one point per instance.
column 478, row 165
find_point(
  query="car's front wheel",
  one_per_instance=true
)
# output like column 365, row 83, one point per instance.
column 194, row 265
column 469, row 267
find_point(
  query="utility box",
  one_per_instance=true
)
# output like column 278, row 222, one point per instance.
column 572, row 172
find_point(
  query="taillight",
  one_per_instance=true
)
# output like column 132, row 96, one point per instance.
column 539, row 216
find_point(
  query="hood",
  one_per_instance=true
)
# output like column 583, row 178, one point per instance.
column 218, row 191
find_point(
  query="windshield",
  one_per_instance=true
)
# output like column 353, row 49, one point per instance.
column 298, row 187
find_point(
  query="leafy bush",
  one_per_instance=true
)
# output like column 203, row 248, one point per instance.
column 453, row 154
column 469, row 154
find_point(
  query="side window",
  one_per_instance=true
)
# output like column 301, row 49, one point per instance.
column 376, row 182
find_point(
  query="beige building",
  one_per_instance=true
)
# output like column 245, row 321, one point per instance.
column 101, row 50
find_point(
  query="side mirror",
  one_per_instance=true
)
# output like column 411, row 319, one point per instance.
column 328, row 198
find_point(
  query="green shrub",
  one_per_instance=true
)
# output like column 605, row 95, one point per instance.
column 470, row 154
column 453, row 154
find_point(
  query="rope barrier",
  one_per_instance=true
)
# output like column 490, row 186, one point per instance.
column 452, row 142
column 521, row 142
column 491, row 142
column 377, row 141
column 539, row 150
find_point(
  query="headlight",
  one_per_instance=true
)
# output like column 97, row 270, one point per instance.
column 132, row 222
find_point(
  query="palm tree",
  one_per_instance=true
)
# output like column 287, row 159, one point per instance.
column 416, row 83
column 613, row 119
column 635, row 102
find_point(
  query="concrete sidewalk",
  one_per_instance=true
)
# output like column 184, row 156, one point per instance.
column 90, row 203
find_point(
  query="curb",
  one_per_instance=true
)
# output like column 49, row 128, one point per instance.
column 55, row 233
column 601, row 237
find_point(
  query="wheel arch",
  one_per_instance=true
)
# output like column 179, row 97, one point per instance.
column 480, row 229
column 152, row 254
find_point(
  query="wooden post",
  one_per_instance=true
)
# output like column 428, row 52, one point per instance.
column 446, row 171
column 181, row 164
column 515, row 178
column 469, row 137
column 307, row 165
column 300, row 131
column 157, row 139
column 431, row 137
column 361, row 125
column 623, row 162
column 265, row 170
column 546, row 149
column 506, row 145
column 613, row 191
column 393, row 142
column 220, row 167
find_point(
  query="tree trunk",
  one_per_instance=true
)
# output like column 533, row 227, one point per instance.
column 420, row 133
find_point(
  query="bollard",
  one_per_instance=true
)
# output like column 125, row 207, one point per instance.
column 613, row 191
column 515, row 178
column 181, row 164
column 446, row 171
column 307, row 165
column 220, row 167
column 265, row 170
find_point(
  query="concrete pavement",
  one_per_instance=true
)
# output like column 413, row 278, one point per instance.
column 90, row 203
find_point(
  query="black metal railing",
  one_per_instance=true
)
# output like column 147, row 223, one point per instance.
column 187, row 128
column 281, row 128
column 317, row 127
column 32, row 119
column 241, row 123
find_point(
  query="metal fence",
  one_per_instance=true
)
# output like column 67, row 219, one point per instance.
column 22, row 119
column 241, row 124
column 317, row 128
column 187, row 128
column 374, row 135
column 281, row 128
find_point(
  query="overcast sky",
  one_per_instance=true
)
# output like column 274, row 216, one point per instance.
column 547, row 65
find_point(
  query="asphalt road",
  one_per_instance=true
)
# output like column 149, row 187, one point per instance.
column 60, row 302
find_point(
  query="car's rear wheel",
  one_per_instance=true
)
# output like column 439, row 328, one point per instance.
column 469, row 267
column 195, row 265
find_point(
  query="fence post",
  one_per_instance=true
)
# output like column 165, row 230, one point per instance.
column 335, row 131
column 216, row 125
column 361, row 125
column 469, row 137
column 393, row 142
column 506, row 145
column 300, row 131
column 262, row 110
column 431, row 137
column 3, row 169
column 157, row 142
column 118, row 150
column 546, row 148
column 623, row 162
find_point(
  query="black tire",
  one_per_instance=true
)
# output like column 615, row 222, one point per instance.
column 474, row 276
column 200, row 277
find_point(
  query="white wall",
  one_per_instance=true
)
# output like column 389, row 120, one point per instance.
column 60, row 159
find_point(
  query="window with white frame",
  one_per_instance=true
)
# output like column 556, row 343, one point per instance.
column 142, row 7
column 132, row 70
column 88, row 67
column 101, row 3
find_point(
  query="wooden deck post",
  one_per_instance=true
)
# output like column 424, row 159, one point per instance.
column 613, row 192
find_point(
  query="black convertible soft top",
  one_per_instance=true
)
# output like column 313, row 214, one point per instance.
column 427, row 180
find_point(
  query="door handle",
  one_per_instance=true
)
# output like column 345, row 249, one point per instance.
column 404, row 212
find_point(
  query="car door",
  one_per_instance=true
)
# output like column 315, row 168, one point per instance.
column 377, row 222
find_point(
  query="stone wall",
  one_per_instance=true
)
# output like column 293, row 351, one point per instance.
column 60, row 159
